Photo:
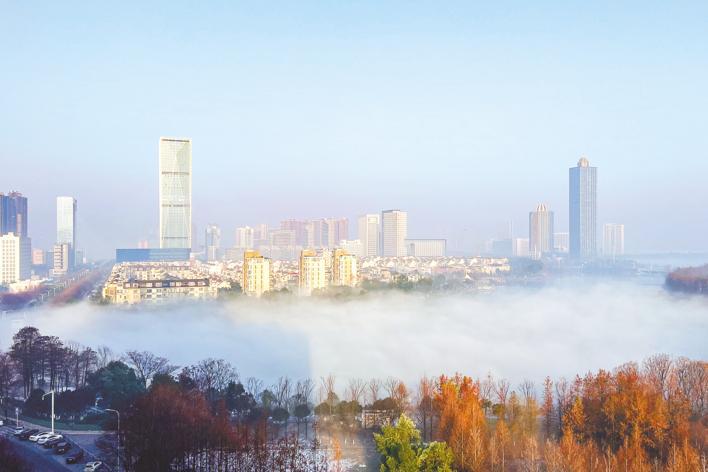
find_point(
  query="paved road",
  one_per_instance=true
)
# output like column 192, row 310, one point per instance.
column 39, row 458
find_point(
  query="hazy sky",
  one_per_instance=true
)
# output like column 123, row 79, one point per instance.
column 465, row 114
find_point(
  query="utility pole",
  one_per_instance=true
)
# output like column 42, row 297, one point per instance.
column 118, row 434
column 52, row 394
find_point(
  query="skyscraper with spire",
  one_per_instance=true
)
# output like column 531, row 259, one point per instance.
column 583, row 210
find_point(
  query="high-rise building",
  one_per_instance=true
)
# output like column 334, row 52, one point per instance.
column 245, row 237
column 13, row 214
column 66, row 226
column 583, row 210
column 313, row 274
column 426, row 247
column 540, row 232
column 613, row 240
column 66, row 221
column 394, row 231
column 333, row 230
column 256, row 274
column 15, row 258
column 352, row 246
column 344, row 269
column 520, row 247
column 38, row 257
column 300, row 229
column 560, row 242
column 282, row 238
column 260, row 235
column 63, row 259
column 175, row 156
column 369, row 235
column 212, row 242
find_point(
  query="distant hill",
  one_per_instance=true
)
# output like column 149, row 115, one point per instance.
column 689, row 279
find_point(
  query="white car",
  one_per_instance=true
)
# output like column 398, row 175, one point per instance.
column 44, row 439
column 35, row 437
column 92, row 466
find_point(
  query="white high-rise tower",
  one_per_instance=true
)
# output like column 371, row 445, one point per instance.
column 369, row 233
column 175, row 193
column 394, row 231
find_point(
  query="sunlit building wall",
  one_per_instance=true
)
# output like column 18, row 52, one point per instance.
column 15, row 258
column 175, row 157
column 394, row 229
column 313, row 274
column 256, row 274
column 369, row 235
column 344, row 269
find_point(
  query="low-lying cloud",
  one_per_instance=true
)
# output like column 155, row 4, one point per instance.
column 558, row 330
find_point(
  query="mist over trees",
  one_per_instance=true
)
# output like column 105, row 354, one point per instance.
column 651, row 416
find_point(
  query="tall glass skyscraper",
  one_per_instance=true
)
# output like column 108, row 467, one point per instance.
column 13, row 214
column 175, row 193
column 583, row 210
column 66, row 221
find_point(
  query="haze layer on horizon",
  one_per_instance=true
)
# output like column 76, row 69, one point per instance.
column 466, row 115
column 562, row 329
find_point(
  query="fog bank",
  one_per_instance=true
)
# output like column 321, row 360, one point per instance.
column 559, row 330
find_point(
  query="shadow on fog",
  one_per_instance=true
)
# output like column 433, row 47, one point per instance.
column 558, row 330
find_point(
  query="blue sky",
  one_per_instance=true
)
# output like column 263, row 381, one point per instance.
column 465, row 114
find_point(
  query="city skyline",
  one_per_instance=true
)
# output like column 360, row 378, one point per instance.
column 366, row 117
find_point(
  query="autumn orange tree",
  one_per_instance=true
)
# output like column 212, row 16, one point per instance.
column 461, row 421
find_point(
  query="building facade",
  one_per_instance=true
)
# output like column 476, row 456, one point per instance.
column 15, row 258
column 613, row 240
column 520, row 247
column 540, row 232
column 313, row 272
column 256, row 274
column 426, row 247
column 212, row 242
column 583, row 210
column 344, row 269
column 13, row 214
column 151, row 255
column 394, row 231
column 369, row 235
column 63, row 259
column 175, row 162
column 561, row 242
column 66, row 225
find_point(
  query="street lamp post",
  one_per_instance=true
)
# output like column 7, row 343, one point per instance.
column 118, row 433
column 52, row 394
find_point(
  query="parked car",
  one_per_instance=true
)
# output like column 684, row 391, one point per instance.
column 92, row 466
column 50, row 443
column 39, row 435
column 44, row 439
column 17, row 431
column 24, row 435
column 61, row 447
column 75, row 457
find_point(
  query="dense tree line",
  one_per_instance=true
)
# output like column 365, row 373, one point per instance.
column 648, row 417
column 689, row 279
